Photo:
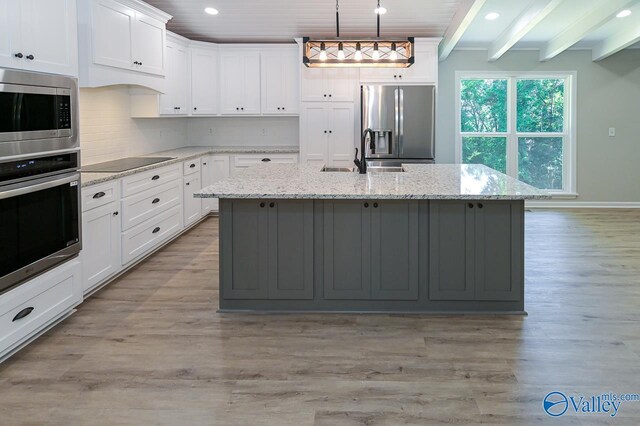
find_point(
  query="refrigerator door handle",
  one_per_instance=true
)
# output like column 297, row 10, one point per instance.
column 396, row 130
column 400, row 121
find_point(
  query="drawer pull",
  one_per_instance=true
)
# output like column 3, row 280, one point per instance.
column 266, row 160
column 99, row 194
column 156, row 177
column 192, row 166
column 23, row 313
column 156, row 230
column 155, row 201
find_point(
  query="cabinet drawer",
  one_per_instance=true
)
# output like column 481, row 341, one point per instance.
column 146, row 205
column 42, row 299
column 250, row 160
column 146, row 236
column 99, row 195
column 191, row 166
column 142, row 181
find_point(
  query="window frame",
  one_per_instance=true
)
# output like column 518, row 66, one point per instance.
column 569, row 153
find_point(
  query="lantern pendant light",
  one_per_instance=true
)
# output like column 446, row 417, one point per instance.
column 377, row 52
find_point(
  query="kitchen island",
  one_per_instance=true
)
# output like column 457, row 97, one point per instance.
column 432, row 238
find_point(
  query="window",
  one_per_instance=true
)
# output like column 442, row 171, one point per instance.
column 520, row 125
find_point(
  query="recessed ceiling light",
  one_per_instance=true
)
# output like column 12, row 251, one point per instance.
column 623, row 13
column 211, row 10
column 492, row 16
column 380, row 10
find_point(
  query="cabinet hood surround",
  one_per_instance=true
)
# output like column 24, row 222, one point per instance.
column 358, row 53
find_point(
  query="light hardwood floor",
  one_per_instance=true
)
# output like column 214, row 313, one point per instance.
column 151, row 349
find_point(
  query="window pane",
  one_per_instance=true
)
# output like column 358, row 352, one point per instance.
column 491, row 152
column 483, row 105
column 540, row 162
column 540, row 105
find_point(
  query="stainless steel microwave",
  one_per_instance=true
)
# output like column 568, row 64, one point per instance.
column 38, row 113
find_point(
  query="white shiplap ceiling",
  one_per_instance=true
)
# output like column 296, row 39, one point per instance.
column 549, row 25
column 283, row 20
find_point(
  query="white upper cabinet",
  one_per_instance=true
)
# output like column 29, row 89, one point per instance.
column 174, row 100
column 327, row 133
column 126, row 38
column 39, row 35
column 280, row 81
column 147, row 41
column 121, row 42
column 239, row 81
column 423, row 71
column 204, row 81
column 329, row 84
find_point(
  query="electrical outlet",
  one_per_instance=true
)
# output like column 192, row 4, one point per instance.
column 264, row 132
column 210, row 131
column 612, row 132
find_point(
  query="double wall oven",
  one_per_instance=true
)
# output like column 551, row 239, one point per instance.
column 39, row 174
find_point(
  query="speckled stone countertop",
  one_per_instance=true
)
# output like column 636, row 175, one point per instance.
column 428, row 181
column 184, row 154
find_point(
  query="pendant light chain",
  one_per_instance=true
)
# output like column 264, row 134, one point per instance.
column 378, row 20
column 337, row 18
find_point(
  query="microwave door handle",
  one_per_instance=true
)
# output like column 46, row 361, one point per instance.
column 34, row 186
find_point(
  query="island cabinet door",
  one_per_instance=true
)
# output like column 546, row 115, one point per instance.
column 291, row 249
column 244, row 244
column 394, row 250
column 347, row 240
column 451, row 250
column 499, row 258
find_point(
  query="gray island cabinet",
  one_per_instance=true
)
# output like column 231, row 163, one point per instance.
column 296, row 239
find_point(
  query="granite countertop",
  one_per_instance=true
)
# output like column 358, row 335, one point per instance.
column 185, row 154
column 419, row 181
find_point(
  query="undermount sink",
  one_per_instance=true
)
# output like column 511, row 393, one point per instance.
column 385, row 169
column 339, row 169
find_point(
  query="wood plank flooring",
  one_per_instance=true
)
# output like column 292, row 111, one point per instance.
column 151, row 349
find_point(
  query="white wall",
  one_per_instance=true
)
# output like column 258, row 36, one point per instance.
column 608, row 95
column 107, row 131
column 243, row 131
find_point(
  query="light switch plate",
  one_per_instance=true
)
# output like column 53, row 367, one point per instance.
column 612, row 132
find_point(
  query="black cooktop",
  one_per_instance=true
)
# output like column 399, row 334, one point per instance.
column 124, row 164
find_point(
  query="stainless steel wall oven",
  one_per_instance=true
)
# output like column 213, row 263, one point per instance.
column 40, row 223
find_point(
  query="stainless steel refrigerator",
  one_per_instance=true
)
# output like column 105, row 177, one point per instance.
column 402, row 121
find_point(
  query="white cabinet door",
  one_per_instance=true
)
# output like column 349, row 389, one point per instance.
column 240, row 82
column 341, row 83
column 174, row 100
column 314, row 133
column 100, row 244
column 342, row 135
column 313, row 86
column 214, row 169
column 192, row 205
column 280, row 82
column 49, row 36
column 148, row 42
column 9, row 34
column 204, row 82
column 112, row 34
column 425, row 68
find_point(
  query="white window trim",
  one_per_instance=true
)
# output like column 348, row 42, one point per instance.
column 569, row 159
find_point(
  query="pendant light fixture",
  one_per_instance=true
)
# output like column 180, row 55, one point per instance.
column 374, row 52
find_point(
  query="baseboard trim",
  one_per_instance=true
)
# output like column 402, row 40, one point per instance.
column 581, row 205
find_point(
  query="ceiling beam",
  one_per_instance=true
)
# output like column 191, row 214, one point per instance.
column 525, row 22
column 583, row 26
column 615, row 43
column 466, row 13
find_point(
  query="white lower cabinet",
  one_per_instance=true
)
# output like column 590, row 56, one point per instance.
column 147, row 204
column 143, row 238
column 100, row 245
column 327, row 134
column 246, row 160
column 214, row 169
column 29, row 308
column 192, row 205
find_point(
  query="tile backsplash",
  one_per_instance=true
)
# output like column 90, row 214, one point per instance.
column 107, row 131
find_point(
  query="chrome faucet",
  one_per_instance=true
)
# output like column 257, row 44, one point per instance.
column 361, row 163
